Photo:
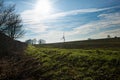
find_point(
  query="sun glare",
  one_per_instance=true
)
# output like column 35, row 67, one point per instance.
column 43, row 7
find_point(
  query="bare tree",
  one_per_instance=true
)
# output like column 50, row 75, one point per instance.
column 14, row 27
column 29, row 41
column 34, row 41
column 41, row 41
column 108, row 36
column 115, row 37
column 5, row 12
column 10, row 22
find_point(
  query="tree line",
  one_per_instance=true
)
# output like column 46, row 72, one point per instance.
column 34, row 41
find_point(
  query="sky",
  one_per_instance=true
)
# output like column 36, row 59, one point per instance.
column 76, row 19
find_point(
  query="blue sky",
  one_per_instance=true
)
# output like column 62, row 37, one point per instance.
column 78, row 19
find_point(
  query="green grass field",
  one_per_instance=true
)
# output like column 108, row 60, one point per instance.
column 75, row 64
column 61, row 64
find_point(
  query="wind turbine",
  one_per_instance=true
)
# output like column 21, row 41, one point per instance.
column 63, row 37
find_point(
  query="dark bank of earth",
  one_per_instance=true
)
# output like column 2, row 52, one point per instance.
column 14, row 65
column 9, row 46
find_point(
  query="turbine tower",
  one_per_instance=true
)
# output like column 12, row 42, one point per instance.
column 63, row 37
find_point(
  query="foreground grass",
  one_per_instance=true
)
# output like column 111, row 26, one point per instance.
column 75, row 64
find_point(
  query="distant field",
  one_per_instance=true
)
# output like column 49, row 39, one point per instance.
column 112, row 43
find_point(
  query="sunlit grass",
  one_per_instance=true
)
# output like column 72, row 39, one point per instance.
column 76, row 63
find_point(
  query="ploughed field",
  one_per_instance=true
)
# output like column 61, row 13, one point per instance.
column 107, row 43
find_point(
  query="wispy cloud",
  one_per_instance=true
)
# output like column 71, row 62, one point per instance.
column 79, row 11
column 112, row 33
column 35, row 20
column 28, row 3
column 28, row 14
column 33, row 17
column 106, row 21
column 99, row 28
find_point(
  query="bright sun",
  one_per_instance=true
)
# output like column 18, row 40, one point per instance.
column 43, row 7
